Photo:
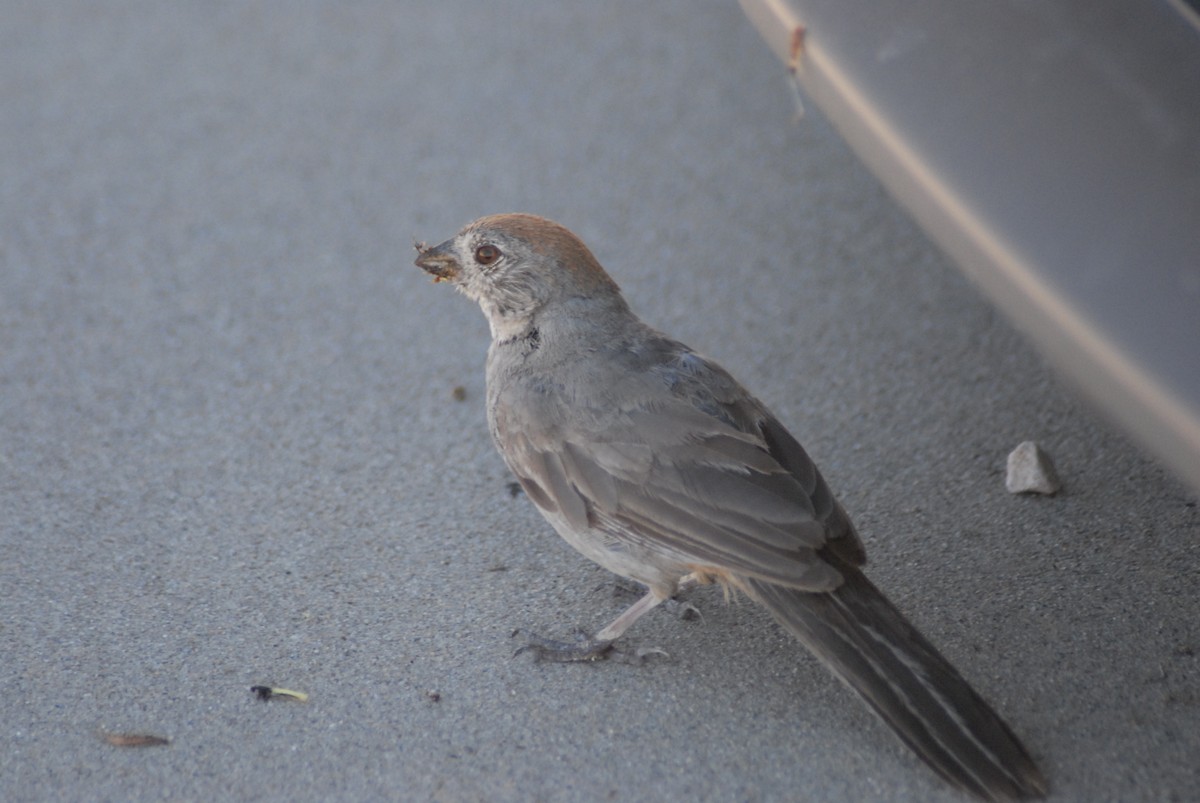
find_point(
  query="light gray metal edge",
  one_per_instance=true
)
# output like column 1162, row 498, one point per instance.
column 1106, row 281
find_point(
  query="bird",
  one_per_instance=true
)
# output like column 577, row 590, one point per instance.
column 654, row 462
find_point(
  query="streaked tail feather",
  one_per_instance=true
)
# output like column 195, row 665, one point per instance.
column 865, row 641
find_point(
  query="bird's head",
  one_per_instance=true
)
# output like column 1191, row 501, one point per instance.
column 516, row 265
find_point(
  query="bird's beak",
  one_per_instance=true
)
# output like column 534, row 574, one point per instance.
column 438, row 261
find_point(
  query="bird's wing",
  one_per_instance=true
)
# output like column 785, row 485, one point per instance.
column 685, row 463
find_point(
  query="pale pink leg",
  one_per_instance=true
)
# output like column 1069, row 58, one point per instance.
column 601, row 644
column 634, row 612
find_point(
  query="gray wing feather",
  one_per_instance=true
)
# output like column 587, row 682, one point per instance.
column 544, row 477
column 689, row 465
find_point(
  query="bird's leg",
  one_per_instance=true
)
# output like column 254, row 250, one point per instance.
column 617, row 627
column 600, row 645
column 590, row 648
column 681, row 608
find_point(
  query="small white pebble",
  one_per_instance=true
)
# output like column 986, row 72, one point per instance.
column 1030, row 470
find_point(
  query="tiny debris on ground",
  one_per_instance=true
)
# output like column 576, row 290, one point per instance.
column 135, row 739
column 1030, row 470
column 276, row 693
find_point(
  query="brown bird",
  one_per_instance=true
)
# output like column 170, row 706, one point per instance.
column 655, row 463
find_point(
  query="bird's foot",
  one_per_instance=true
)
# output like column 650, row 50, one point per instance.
column 584, row 649
column 681, row 608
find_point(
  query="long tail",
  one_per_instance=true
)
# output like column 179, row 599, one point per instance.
column 858, row 634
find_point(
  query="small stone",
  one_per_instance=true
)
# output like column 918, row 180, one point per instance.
column 1030, row 470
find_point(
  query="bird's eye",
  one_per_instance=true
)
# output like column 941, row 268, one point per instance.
column 487, row 254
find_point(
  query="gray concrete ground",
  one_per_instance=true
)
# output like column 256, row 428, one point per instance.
column 230, row 453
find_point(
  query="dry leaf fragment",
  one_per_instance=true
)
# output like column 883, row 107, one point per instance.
column 135, row 739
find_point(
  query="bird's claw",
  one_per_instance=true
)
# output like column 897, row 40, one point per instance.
column 682, row 608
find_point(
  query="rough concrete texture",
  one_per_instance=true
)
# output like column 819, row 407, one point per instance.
column 231, row 451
